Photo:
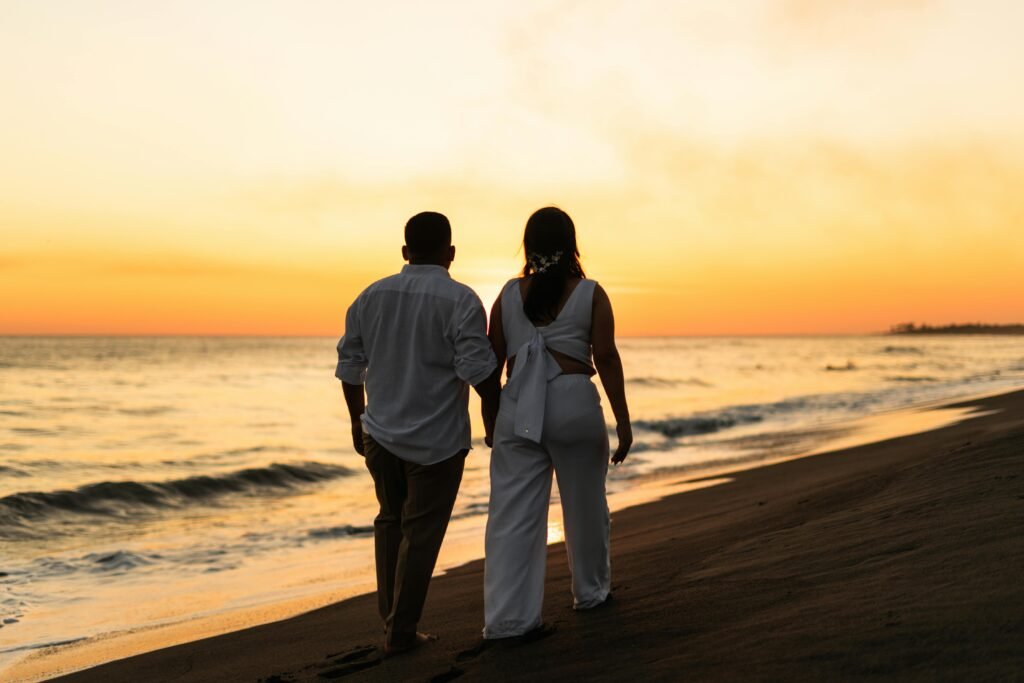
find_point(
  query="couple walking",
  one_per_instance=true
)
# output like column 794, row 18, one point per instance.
column 417, row 341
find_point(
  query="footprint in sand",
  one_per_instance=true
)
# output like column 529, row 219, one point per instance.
column 351, row 662
column 449, row 675
column 361, row 652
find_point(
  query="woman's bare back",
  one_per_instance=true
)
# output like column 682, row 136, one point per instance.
column 569, row 366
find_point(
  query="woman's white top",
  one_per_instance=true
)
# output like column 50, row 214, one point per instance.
column 568, row 334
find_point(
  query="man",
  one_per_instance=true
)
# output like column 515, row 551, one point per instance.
column 418, row 340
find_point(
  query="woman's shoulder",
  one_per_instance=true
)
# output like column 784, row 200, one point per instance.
column 506, row 290
column 591, row 286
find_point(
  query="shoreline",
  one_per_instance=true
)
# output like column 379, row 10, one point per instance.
column 297, row 585
column 298, row 650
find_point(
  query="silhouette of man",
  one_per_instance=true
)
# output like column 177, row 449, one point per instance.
column 417, row 340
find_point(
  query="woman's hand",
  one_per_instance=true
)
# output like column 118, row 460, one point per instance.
column 625, row 434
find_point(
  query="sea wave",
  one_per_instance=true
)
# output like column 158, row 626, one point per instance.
column 739, row 415
column 122, row 498
column 203, row 557
column 119, row 560
column 471, row 510
column 204, row 459
column 36, row 431
column 342, row 531
column 903, row 350
column 656, row 382
column 248, row 450
column 146, row 411
column 699, row 424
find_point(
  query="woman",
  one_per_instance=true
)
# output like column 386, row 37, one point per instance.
column 556, row 330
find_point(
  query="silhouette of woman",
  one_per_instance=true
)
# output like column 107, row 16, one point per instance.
column 556, row 330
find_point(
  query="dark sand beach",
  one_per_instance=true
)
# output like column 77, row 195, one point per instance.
column 897, row 560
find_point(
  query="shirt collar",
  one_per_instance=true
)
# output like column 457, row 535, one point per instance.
column 425, row 269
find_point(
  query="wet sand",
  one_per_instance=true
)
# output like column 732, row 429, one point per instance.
column 899, row 559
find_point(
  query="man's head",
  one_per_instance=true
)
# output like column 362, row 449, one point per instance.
column 428, row 240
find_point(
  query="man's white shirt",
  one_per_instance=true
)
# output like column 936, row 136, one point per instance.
column 418, row 340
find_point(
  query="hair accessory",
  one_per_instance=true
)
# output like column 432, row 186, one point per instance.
column 541, row 263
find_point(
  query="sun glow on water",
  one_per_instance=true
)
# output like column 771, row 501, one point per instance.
column 556, row 532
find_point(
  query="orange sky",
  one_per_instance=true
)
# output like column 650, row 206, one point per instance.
column 757, row 167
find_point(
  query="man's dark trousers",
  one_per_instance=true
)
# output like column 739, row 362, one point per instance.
column 416, row 504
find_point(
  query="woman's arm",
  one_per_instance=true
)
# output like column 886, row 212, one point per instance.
column 609, row 368
column 496, row 335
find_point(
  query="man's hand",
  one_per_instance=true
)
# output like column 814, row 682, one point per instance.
column 490, row 396
column 357, row 437
column 355, row 401
column 625, row 433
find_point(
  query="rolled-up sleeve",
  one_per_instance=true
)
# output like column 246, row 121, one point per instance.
column 474, row 357
column 352, row 361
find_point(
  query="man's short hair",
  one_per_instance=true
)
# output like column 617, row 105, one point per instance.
column 428, row 233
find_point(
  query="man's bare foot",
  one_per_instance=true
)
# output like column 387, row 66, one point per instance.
column 394, row 649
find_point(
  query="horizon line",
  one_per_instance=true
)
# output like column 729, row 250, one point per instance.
column 175, row 335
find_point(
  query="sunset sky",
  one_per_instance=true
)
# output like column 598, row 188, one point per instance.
column 744, row 167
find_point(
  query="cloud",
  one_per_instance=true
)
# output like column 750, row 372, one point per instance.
column 175, row 265
column 146, row 265
column 831, row 19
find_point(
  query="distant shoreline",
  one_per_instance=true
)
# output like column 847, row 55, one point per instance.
column 967, row 328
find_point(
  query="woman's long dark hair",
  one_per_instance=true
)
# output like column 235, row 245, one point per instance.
column 549, row 233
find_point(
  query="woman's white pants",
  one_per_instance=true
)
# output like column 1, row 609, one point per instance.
column 575, row 444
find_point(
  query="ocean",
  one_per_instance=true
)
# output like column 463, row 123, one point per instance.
column 147, row 483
